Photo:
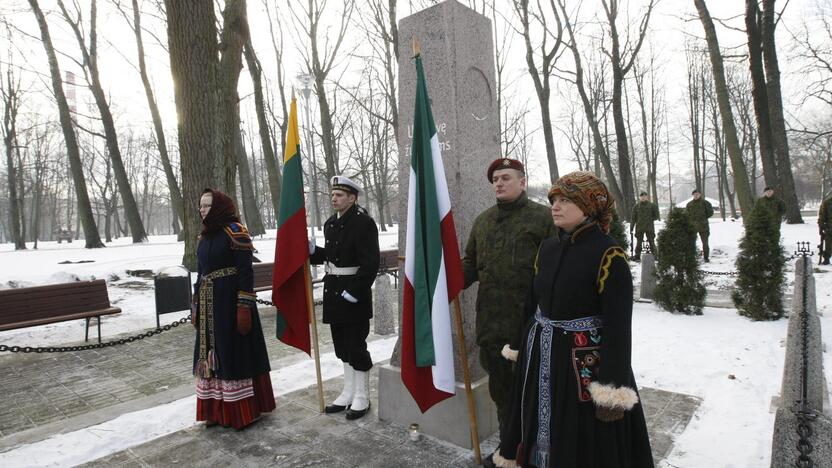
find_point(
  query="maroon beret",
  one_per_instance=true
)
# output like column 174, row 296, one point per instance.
column 505, row 163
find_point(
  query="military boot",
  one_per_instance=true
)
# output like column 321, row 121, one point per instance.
column 361, row 401
column 343, row 400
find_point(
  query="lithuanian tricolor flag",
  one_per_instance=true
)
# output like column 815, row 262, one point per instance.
column 433, row 269
column 289, row 292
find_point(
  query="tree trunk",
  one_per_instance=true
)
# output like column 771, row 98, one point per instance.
column 778, row 123
column 10, row 93
column 193, row 62
column 741, row 185
column 234, row 36
column 173, row 185
column 252, row 214
column 272, row 166
column 85, row 215
column 760, row 94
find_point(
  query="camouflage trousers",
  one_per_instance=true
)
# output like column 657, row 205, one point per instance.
column 706, row 249
column 500, row 379
column 651, row 236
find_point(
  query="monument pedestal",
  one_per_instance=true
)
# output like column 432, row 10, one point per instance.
column 447, row 420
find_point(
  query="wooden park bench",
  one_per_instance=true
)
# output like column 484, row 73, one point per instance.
column 40, row 305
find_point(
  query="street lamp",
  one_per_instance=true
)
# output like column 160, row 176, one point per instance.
column 305, row 80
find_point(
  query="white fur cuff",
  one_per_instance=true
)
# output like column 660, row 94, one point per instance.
column 509, row 353
column 611, row 397
column 504, row 462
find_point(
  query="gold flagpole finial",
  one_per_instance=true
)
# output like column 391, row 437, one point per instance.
column 417, row 48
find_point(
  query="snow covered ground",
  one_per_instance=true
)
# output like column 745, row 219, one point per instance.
column 733, row 364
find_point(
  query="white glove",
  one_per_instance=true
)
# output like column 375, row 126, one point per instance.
column 509, row 353
column 348, row 297
column 311, row 246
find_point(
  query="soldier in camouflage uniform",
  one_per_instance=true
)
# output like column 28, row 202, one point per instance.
column 825, row 228
column 500, row 255
column 775, row 206
column 699, row 211
column 644, row 213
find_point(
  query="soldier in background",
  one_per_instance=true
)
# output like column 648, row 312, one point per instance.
column 351, row 260
column 500, row 255
column 644, row 213
column 699, row 211
column 775, row 206
column 825, row 228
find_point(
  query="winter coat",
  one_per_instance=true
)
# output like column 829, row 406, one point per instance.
column 351, row 241
column 583, row 278
column 644, row 213
column 238, row 356
column 825, row 216
column 500, row 254
column 699, row 211
column 775, row 206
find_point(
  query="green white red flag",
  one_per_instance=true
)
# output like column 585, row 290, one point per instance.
column 433, row 269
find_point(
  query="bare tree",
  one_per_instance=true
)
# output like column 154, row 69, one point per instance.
column 778, row 122
column 320, row 61
column 161, row 144
column 622, row 57
column 740, row 174
column 10, row 92
column 85, row 215
column 232, row 40
column 592, row 117
column 549, row 54
column 90, row 67
column 266, row 144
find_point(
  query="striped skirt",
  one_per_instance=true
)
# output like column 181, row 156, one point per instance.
column 234, row 403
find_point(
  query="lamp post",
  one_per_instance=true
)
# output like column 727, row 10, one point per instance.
column 305, row 80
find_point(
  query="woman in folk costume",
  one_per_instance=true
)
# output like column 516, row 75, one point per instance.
column 231, row 365
column 575, row 402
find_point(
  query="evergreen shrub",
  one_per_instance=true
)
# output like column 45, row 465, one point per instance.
column 761, row 263
column 680, row 287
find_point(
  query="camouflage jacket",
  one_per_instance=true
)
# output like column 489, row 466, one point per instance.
column 644, row 213
column 825, row 216
column 775, row 206
column 698, row 212
column 500, row 255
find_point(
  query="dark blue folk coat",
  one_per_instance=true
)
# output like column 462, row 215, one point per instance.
column 238, row 356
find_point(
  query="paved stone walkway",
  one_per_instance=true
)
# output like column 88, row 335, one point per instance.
column 55, row 393
column 296, row 435
column 46, row 388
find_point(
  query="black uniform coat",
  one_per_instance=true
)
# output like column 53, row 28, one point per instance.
column 351, row 240
column 238, row 356
column 579, row 276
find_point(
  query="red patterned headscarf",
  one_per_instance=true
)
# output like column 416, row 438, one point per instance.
column 222, row 212
column 589, row 193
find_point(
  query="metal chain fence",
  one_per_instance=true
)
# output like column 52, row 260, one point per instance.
column 805, row 413
column 106, row 344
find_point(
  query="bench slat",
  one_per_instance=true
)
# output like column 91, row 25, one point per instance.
column 37, row 305
column 62, row 318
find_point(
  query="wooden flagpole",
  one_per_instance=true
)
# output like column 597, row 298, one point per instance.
column 472, row 410
column 310, row 305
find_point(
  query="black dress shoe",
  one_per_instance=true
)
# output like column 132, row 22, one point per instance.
column 352, row 414
column 488, row 462
column 334, row 408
